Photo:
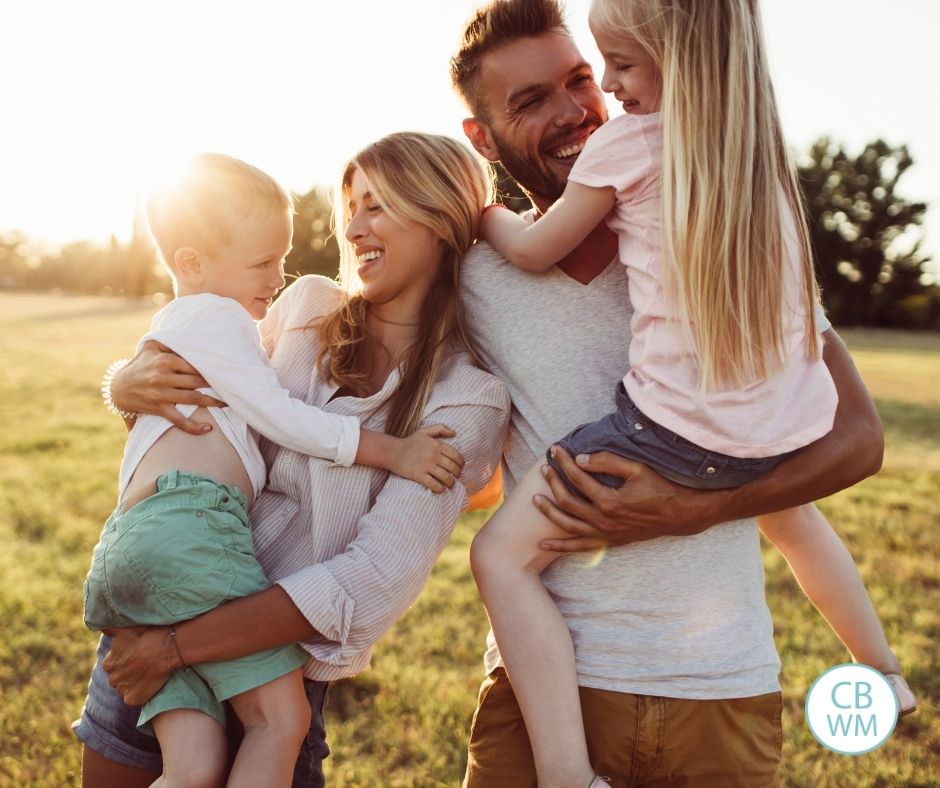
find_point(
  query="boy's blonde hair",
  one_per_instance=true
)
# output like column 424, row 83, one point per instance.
column 726, row 182
column 438, row 183
column 202, row 205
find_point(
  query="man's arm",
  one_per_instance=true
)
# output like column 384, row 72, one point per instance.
column 647, row 505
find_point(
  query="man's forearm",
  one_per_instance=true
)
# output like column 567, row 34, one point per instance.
column 852, row 451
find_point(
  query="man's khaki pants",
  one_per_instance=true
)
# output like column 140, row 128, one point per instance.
column 636, row 740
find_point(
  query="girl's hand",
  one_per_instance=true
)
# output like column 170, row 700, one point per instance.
column 155, row 380
column 429, row 461
column 140, row 662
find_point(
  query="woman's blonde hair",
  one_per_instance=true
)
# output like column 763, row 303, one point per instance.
column 439, row 184
column 727, row 181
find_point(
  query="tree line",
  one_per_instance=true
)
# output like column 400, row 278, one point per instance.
column 866, row 237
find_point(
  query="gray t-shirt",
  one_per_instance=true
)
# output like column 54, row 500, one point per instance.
column 681, row 617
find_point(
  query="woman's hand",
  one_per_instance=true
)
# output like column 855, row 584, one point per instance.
column 140, row 661
column 155, row 381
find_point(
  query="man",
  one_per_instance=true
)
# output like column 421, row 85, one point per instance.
column 673, row 640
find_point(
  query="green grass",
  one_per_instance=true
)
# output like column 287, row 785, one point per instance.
column 404, row 723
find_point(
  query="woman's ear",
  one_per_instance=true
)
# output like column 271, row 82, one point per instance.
column 188, row 263
column 478, row 133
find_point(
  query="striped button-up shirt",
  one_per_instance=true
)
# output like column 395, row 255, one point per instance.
column 354, row 546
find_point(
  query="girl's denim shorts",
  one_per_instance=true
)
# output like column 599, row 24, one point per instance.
column 628, row 433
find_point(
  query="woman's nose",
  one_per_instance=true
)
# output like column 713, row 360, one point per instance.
column 355, row 229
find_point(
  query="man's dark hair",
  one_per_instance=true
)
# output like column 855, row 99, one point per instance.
column 497, row 23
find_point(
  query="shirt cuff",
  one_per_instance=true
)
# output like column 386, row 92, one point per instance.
column 326, row 605
column 348, row 441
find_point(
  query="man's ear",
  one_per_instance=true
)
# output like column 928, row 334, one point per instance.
column 480, row 138
column 188, row 263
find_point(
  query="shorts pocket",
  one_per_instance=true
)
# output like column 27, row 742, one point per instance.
column 169, row 567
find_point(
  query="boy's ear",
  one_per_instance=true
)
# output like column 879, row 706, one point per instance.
column 188, row 262
column 478, row 133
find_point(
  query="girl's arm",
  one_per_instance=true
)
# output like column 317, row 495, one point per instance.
column 538, row 246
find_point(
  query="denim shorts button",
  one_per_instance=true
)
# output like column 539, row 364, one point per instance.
column 224, row 499
column 709, row 470
column 638, row 426
column 199, row 514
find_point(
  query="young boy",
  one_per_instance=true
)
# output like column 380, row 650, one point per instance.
column 179, row 542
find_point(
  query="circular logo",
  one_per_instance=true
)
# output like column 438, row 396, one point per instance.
column 851, row 709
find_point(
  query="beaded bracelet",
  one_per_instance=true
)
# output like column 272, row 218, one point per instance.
column 106, row 381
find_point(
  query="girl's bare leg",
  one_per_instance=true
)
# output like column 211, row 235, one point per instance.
column 276, row 718
column 195, row 753
column 826, row 572
column 533, row 638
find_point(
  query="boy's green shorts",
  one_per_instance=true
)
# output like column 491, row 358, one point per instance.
column 185, row 550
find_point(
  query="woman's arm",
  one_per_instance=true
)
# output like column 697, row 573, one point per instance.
column 155, row 381
column 537, row 246
column 648, row 506
column 345, row 603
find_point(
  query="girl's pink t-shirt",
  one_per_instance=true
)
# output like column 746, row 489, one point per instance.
column 779, row 414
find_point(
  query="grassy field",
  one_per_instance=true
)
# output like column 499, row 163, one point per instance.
column 405, row 722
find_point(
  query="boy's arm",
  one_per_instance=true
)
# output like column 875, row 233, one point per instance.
column 648, row 506
column 537, row 246
column 421, row 457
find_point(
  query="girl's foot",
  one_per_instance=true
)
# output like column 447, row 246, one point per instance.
column 907, row 703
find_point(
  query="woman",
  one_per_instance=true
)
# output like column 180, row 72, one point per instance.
column 348, row 549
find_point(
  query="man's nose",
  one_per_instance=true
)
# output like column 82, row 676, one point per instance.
column 569, row 111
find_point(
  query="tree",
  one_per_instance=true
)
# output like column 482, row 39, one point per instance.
column 866, row 238
column 315, row 250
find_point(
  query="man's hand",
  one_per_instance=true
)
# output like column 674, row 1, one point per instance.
column 155, row 381
column 645, row 506
column 140, row 662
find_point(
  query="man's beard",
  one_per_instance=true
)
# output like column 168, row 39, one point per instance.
column 529, row 171
column 535, row 179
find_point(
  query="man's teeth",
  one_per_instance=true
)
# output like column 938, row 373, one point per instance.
column 571, row 150
column 367, row 256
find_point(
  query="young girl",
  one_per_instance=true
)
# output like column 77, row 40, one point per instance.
column 726, row 378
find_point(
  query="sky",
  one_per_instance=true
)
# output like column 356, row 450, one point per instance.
column 98, row 97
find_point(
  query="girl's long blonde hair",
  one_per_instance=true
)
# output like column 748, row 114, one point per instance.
column 726, row 182
column 438, row 183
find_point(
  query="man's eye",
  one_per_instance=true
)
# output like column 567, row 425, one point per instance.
column 531, row 103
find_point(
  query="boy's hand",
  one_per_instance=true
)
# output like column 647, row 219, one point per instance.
column 426, row 460
column 155, row 380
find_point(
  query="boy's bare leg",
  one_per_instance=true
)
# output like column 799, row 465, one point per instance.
column 195, row 753
column 276, row 718
column 533, row 638
column 826, row 572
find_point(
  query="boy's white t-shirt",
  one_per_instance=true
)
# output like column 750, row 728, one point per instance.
column 218, row 337
column 785, row 412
